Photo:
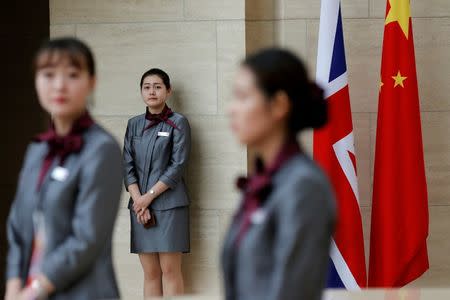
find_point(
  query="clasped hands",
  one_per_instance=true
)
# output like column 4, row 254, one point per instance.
column 140, row 207
column 15, row 290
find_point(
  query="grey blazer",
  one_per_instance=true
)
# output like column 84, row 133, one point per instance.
column 284, row 254
column 159, row 153
column 79, row 214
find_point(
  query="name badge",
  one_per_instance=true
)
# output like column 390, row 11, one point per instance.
column 163, row 133
column 259, row 216
column 60, row 174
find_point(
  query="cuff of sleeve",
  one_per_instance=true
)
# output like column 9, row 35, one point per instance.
column 168, row 181
column 129, row 181
column 13, row 272
column 56, row 280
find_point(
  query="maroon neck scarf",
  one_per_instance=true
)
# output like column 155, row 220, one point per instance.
column 62, row 146
column 257, row 187
column 155, row 119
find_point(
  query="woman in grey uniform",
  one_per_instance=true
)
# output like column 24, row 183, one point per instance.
column 61, row 222
column 156, row 151
column 277, row 245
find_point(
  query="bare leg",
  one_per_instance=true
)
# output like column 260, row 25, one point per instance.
column 172, row 277
column 152, row 274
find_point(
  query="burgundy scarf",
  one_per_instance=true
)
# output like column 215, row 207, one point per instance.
column 155, row 119
column 62, row 146
column 257, row 187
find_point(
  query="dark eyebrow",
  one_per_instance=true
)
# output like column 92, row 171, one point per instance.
column 53, row 66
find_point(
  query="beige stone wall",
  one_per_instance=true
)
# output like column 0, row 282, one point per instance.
column 199, row 43
column 295, row 24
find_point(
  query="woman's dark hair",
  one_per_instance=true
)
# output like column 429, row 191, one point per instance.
column 53, row 51
column 158, row 72
column 280, row 70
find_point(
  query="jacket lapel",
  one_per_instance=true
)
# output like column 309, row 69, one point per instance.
column 148, row 143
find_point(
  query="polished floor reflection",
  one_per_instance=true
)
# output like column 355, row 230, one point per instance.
column 401, row 294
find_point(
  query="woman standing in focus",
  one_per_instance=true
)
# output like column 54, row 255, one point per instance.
column 156, row 151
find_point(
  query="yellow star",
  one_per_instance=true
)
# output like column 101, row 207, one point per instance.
column 399, row 80
column 381, row 84
column 400, row 12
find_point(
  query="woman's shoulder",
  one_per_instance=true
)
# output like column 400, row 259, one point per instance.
column 100, row 156
column 34, row 153
column 302, row 167
column 136, row 119
column 179, row 118
column 98, row 137
column 135, row 124
column 302, row 176
column 181, row 122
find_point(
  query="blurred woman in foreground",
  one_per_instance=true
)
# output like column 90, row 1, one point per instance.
column 277, row 245
column 62, row 218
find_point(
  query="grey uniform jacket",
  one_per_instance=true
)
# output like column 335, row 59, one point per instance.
column 159, row 153
column 284, row 254
column 79, row 214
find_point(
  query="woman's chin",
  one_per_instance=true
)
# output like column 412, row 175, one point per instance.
column 242, row 140
column 154, row 105
column 65, row 112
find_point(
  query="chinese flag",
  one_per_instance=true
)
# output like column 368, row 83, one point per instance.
column 398, row 248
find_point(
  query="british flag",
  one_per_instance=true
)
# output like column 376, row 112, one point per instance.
column 334, row 151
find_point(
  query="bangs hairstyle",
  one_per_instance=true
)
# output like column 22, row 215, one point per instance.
column 53, row 52
column 157, row 72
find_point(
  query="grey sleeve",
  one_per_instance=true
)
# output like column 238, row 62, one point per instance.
column 130, row 176
column 305, row 227
column 180, row 154
column 14, row 231
column 14, row 258
column 93, row 218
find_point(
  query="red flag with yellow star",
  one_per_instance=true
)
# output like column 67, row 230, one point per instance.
column 399, row 230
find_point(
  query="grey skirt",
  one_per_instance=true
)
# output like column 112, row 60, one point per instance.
column 171, row 233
